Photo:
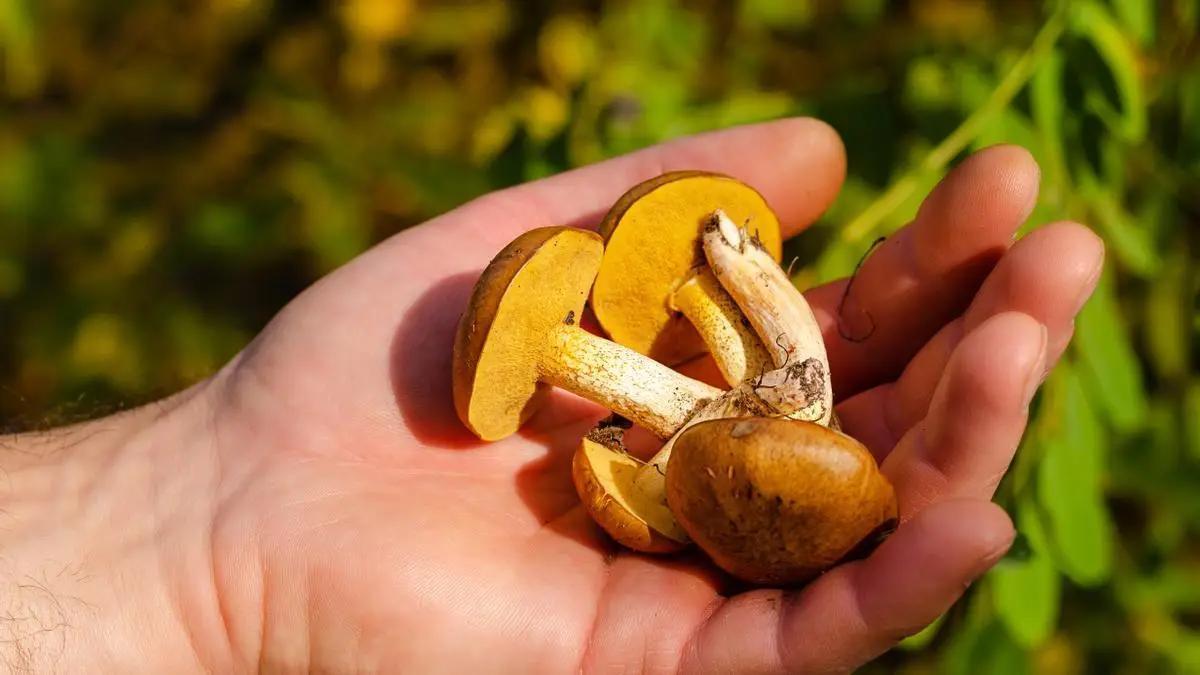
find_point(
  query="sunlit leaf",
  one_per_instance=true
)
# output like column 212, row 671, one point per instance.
column 1081, row 426
column 1092, row 21
column 1010, row 126
column 22, row 65
column 1026, row 592
column 1131, row 244
column 738, row 108
column 1137, row 17
column 1165, row 326
column 1107, row 362
column 921, row 639
column 1081, row 530
column 1046, row 103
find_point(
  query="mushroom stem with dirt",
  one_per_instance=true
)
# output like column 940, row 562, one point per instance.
column 654, row 292
column 520, row 333
column 773, row 305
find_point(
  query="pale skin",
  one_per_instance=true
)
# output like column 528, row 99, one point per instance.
column 316, row 505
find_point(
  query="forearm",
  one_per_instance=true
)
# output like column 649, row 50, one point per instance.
column 91, row 560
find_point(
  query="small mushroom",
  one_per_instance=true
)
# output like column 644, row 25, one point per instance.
column 520, row 333
column 652, row 293
column 777, row 501
column 603, row 474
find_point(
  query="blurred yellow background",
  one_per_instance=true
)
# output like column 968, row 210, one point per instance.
column 171, row 173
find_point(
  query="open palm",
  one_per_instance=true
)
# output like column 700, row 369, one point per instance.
column 359, row 526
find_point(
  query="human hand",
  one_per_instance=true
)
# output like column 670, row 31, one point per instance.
column 317, row 505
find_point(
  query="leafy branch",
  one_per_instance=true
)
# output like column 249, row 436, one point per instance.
column 937, row 159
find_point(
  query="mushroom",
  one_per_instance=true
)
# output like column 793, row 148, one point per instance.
column 773, row 305
column 633, row 508
column 520, row 333
column 654, row 293
column 800, row 386
column 777, row 501
column 603, row 473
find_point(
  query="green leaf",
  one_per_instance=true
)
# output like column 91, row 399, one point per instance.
column 1175, row 587
column 1132, row 245
column 1010, row 126
column 1026, row 593
column 737, row 108
column 1137, row 16
column 1078, row 530
column 789, row 14
column 1191, row 417
column 1107, row 362
column 1092, row 21
column 22, row 65
column 920, row 640
column 1165, row 327
column 1081, row 425
column 991, row 651
column 1079, row 523
column 1046, row 105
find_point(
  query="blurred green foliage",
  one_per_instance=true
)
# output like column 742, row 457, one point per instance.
column 172, row 172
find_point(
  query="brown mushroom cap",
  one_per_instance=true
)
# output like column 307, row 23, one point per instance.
column 603, row 478
column 776, row 501
column 529, row 288
column 652, row 239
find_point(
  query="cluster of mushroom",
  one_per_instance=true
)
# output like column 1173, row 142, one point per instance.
column 754, row 475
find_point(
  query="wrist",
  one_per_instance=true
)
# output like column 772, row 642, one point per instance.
column 104, row 562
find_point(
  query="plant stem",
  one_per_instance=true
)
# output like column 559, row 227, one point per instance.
column 937, row 159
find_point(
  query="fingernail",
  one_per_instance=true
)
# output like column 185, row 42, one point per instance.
column 1037, row 368
column 989, row 561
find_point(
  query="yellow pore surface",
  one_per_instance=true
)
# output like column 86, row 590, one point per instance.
column 653, row 244
column 552, row 283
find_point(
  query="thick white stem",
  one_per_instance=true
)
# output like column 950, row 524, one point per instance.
column 632, row 385
column 778, row 311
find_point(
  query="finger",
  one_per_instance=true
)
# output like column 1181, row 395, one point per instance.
column 1048, row 275
column 925, row 275
column 806, row 166
column 857, row 611
column 964, row 445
